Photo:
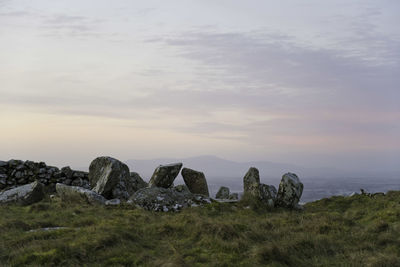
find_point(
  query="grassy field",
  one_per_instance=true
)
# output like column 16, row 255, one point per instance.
column 339, row 231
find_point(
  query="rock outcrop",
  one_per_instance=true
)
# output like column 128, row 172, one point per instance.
column 74, row 193
column 164, row 175
column 105, row 173
column 251, row 183
column 223, row 193
column 14, row 173
column 24, row 195
column 290, row 191
column 166, row 199
column 195, row 181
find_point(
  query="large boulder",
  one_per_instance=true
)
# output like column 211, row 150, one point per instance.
column 164, row 175
column 76, row 193
column 268, row 194
column 223, row 193
column 127, row 186
column 290, row 190
column 105, row 173
column 251, row 183
column 25, row 195
column 166, row 199
column 195, row 181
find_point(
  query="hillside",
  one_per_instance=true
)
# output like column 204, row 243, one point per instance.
column 339, row 231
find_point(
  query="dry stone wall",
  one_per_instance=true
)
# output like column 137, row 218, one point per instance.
column 15, row 173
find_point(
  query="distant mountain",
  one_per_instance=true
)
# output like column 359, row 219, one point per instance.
column 214, row 166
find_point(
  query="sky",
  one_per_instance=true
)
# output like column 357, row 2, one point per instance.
column 314, row 83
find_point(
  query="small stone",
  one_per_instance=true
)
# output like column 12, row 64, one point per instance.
column 3, row 164
column 223, row 193
column 67, row 172
column 234, row 196
column 113, row 202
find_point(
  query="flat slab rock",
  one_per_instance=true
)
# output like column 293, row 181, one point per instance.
column 67, row 192
column 195, row 181
column 166, row 199
column 25, row 194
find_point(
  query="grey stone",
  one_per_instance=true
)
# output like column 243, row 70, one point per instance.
column 290, row 191
column 195, row 181
column 223, row 193
column 20, row 167
column 25, row 195
column 251, row 183
column 164, row 175
column 166, row 199
column 30, row 164
column 67, row 172
column 182, row 188
column 268, row 194
column 13, row 163
column 3, row 163
column 128, row 185
column 113, row 202
column 233, row 196
column 105, row 173
column 79, row 193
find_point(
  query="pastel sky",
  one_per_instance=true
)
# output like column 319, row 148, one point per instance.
column 315, row 83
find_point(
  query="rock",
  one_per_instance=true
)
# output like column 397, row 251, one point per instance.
column 67, row 172
column 223, row 193
column 234, row 196
column 164, row 175
column 290, row 190
column 25, row 195
column 195, row 181
column 166, row 199
column 105, row 173
column 113, row 202
column 182, row 188
column 128, row 185
column 268, row 194
column 251, row 183
column 79, row 193
column 3, row 164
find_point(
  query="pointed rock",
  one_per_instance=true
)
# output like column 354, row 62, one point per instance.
column 195, row 181
column 290, row 191
column 251, row 183
column 164, row 175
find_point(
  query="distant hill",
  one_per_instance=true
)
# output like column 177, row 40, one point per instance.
column 319, row 182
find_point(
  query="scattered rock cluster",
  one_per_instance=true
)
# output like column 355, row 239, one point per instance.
column 110, row 182
column 288, row 195
column 14, row 173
